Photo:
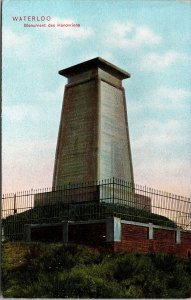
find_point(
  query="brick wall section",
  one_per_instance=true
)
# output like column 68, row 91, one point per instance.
column 164, row 241
column 135, row 239
column 90, row 234
column 185, row 244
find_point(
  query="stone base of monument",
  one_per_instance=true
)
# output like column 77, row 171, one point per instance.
column 114, row 234
column 97, row 193
column 67, row 195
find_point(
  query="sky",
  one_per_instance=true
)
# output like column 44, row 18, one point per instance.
column 149, row 39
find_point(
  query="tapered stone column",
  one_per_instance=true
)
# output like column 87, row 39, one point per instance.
column 93, row 140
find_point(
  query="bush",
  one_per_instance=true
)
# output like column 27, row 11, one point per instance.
column 38, row 270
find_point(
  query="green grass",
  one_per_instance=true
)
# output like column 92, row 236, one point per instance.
column 14, row 225
column 35, row 270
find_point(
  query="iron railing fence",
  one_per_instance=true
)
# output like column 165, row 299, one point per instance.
column 93, row 200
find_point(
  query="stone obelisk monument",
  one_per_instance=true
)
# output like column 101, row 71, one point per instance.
column 93, row 140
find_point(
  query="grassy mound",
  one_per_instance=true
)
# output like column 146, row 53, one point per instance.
column 38, row 270
column 14, row 225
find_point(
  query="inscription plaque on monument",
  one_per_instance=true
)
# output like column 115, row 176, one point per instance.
column 115, row 156
column 77, row 138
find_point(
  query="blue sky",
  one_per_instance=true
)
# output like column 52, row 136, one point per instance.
column 149, row 39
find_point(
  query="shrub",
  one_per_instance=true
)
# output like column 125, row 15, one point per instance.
column 37, row 270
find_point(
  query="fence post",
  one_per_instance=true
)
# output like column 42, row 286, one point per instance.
column 113, row 190
column 65, row 232
column 151, row 231
column 113, row 229
column 2, row 233
column 15, row 210
column 178, row 238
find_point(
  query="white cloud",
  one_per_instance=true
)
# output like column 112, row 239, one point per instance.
column 173, row 93
column 163, row 97
column 158, row 155
column 12, row 39
column 51, row 41
column 155, row 61
column 15, row 44
column 21, row 112
column 166, row 98
column 69, row 32
column 128, row 36
column 159, row 134
column 59, row 38
column 51, row 96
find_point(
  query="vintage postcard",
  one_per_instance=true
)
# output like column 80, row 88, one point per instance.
column 96, row 151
